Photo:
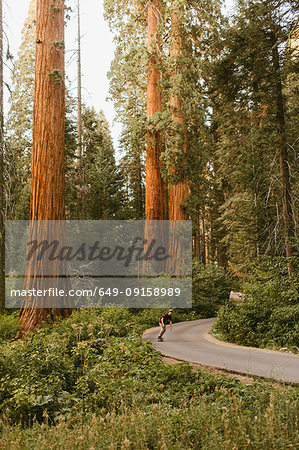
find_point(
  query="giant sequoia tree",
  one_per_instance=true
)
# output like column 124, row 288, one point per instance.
column 217, row 93
column 47, row 200
column 156, row 202
column 178, row 192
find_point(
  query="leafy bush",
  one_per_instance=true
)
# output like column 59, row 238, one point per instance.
column 91, row 381
column 211, row 286
column 284, row 326
column 93, row 360
column 9, row 326
column 270, row 313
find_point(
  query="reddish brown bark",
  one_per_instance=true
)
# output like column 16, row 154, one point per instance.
column 156, row 198
column 47, row 180
column 180, row 191
column 156, row 195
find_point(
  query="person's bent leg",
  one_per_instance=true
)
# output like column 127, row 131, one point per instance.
column 163, row 329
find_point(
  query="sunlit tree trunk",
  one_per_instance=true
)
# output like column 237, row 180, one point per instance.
column 47, row 200
column 156, row 195
column 156, row 201
column 177, row 192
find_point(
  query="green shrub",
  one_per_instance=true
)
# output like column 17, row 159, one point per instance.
column 92, row 360
column 91, row 381
column 270, row 313
column 211, row 286
column 9, row 326
column 284, row 326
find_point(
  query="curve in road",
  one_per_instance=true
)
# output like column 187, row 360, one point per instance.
column 191, row 342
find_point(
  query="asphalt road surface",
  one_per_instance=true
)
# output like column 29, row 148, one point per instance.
column 191, row 341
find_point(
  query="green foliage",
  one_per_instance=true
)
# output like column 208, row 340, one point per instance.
column 269, row 316
column 128, row 90
column 91, row 381
column 245, row 155
column 9, row 326
column 211, row 286
column 90, row 362
column 284, row 326
column 56, row 76
column 59, row 45
column 95, row 190
column 54, row 7
column 198, row 424
column 18, row 125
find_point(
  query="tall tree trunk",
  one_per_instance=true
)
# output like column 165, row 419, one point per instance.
column 177, row 192
column 180, row 191
column 79, row 94
column 289, row 231
column 47, row 200
column 156, row 196
column 2, row 243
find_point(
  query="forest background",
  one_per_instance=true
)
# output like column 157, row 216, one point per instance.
column 215, row 121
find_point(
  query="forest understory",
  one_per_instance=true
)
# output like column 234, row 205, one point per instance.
column 209, row 111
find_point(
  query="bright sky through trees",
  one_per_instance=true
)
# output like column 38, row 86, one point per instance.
column 97, row 52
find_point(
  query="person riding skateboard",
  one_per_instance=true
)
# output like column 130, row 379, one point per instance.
column 167, row 317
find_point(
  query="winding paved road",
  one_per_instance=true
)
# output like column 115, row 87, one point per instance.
column 191, row 341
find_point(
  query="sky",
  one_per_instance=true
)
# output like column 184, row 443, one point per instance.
column 97, row 52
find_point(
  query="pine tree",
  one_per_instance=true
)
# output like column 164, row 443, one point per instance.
column 179, row 57
column 249, row 132
column 288, row 220
column 97, row 193
column 128, row 90
column 132, row 169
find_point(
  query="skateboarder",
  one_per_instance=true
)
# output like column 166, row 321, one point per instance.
column 163, row 321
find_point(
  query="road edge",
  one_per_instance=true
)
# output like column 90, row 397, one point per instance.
column 213, row 339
